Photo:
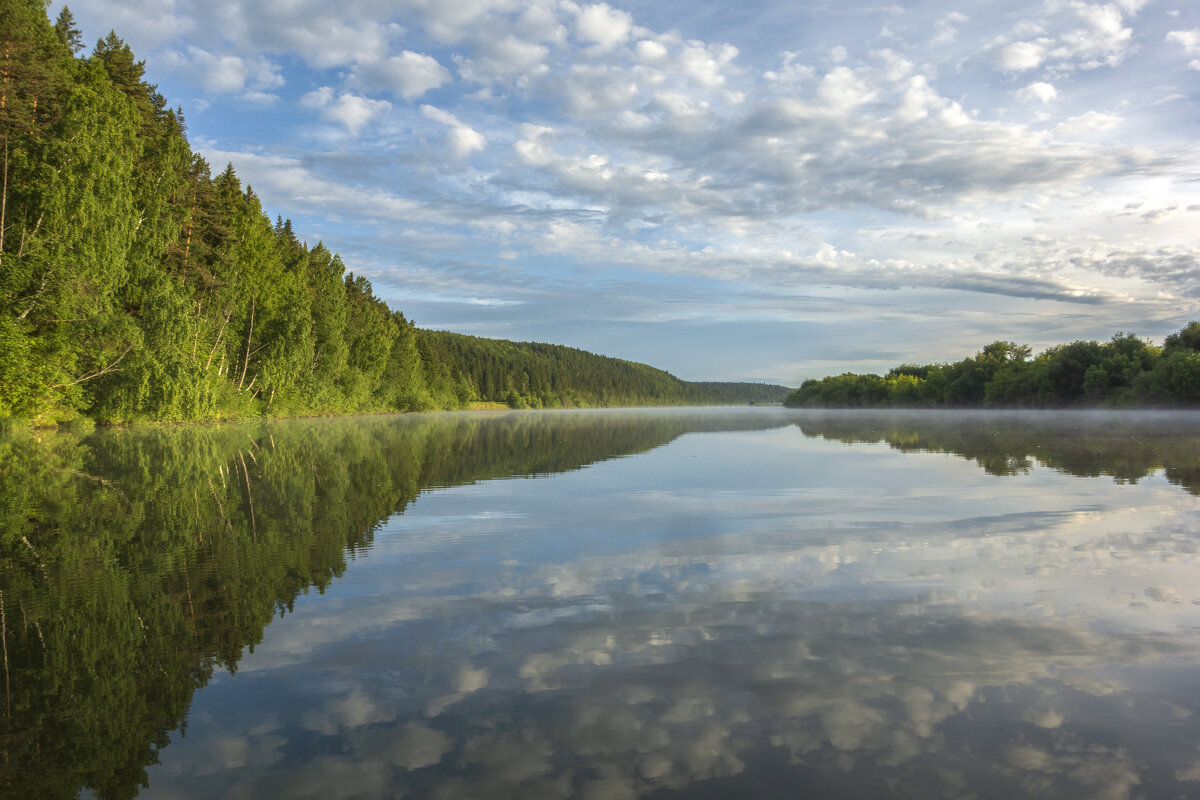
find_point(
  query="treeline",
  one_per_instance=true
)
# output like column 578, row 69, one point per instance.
column 535, row 375
column 137, row 285
column 1124, row 371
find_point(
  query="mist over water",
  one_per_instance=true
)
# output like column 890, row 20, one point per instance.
column 756, row 603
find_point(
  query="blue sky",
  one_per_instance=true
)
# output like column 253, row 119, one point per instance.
column 750, row 191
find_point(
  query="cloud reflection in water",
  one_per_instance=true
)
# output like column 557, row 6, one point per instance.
column 735, row 614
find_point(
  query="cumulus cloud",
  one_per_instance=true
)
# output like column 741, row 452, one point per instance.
column 462, row 139
column 451, row 22
column 408, row 75
column 790, row 70
column 1038, row 91
column 503, row 59
column 603, row 25
column 946, row 30
column 1021, row 56
column 223, row 74
column 1189, row 40
column 349, row 110
column 1082, row 36
column 842, row 90
column 1088, row 123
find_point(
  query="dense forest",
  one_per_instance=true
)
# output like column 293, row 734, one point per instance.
column 1124, row 371
column 136, row 284
column 534, row 375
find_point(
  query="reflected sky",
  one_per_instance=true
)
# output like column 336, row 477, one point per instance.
column 765, row 613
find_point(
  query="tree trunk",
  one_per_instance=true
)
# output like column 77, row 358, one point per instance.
column 249, row 336
column 4, row 200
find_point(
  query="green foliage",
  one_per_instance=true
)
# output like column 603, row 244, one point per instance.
column 1186, row 339
column 536, row 375
column 68, row 34
column 1175, row 379
column 1123, row 371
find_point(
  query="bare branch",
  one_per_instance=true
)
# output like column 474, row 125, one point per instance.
column 107, row 368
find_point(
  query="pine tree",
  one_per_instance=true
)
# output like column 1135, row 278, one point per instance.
column 67, row 33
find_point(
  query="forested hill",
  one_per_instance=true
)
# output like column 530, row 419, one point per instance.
column 536, row 375
column 1124, row 371
column 136, row 284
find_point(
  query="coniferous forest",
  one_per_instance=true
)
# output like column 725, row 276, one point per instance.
column 138, row 283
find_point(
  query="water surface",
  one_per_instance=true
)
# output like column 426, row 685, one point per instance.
column 605, row 605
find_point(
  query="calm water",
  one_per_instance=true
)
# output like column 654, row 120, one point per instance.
column 612, row 605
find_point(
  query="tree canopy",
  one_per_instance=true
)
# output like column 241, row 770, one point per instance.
column 1123, row 371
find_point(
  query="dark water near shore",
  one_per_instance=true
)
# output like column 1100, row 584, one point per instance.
column 750, row 603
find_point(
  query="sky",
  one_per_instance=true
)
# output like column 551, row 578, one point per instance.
column 759, row 190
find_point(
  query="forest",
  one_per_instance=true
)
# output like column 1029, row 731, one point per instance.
column 1123, row 372
column 535, row 375
column 137, row 283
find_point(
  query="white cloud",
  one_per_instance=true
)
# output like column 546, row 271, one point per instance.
column 1086, row 124
column 603, row 25
column 790, row 71
column 1038, row 91
column 706, row 64
column 1102, row 39
column 1189, row 40
column 224, row 74
column 1075, row 35
column 408, row 75
column 318, row 98
column 349, row 110
column 296, row 185
column 462, row 139
column 651, row 51
column 260, row 98
column 842, row 90
column 946, row 30
column 504, row 59
column 918, row 99
column 1022, row 56
column 453, row 21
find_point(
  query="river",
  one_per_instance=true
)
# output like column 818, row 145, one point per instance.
column 752, row 603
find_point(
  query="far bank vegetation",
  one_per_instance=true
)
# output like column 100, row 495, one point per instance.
column 1125, row 371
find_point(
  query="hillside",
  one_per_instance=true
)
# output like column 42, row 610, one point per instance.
column 538, row 375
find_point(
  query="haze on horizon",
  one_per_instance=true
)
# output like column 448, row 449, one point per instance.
column 760, row 191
